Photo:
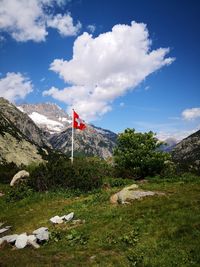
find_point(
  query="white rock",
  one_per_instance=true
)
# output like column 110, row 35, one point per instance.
column 56, row 219
column 21, row 241
column 1, row 241
column 10, row 238
column 39, row 230
column 31, row 238
column 33, row 243
column 2, row 230
column 19, row 176
column 68, row 217
column 42, row 234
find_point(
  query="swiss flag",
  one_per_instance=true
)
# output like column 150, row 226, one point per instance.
column 77, row 122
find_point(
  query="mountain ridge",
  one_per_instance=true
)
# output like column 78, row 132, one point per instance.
column 56, row 124
column 187, row 152
column 21, row 141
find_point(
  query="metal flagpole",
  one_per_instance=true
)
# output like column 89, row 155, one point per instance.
column 72, row 154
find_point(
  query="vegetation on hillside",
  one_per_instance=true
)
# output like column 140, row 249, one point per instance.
column 158, row 231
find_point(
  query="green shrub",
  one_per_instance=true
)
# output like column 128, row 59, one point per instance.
column 18, row 192
column 7, row 171
column 137, row 156
column 116, row 182
column 84, row 174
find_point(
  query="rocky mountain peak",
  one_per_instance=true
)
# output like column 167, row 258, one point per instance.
column 48, row 116
column 51, row 118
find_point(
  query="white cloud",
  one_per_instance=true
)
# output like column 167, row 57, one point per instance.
column 106, row 67
column 2, row 38
column 178, row 135
column 91, row 28
column 28, row 20
column 15, row 86
column 191, row 114
column 147, row 88
column 64, row 25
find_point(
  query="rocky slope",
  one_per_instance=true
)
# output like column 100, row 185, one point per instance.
column 23, row 123
column 88, row 142
column 57, row 125
column 48, row 116
column 21, row 141
column 187, row 152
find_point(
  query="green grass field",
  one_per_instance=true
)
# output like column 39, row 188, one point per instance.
column 160, row 231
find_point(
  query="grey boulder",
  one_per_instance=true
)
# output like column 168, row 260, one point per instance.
column 131, row 193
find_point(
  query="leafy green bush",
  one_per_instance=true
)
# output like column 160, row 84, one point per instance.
column 7, row 171
column 84, row 174
column 18, row 192
column 116, row 182
column 136, row 155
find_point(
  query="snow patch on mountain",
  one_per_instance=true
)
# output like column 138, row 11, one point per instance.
column 51, row 125
column 21, row 109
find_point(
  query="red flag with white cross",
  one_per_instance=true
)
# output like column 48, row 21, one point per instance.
column 77, row 122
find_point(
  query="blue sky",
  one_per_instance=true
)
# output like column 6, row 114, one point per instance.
column 117, row 73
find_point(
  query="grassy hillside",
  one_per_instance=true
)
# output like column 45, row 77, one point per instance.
column 160, row 231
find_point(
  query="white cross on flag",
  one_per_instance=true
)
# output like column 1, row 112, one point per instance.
column 77, row 122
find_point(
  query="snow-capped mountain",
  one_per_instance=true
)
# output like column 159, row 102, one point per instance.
column 48, row 116
column 57, row 125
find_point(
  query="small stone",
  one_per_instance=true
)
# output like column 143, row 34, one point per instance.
column 68, row 217
column 31, row 238
column 33, row 243
column 56, row 219
column 42, row 234
column 10, row 238
column 6, row 228
column 93, row 257
column 39, row 230
column 21, row 241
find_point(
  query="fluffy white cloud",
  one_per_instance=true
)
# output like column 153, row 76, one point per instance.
column 64, row 25
column 191, row 114
column 28, row 20
column 15, row 86
column 106, row 67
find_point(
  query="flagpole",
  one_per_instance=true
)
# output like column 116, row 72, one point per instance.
column 72, row 154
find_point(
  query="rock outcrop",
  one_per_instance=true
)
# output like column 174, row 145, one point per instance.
column 131, row 193
column 187, row 153
column 21, row 141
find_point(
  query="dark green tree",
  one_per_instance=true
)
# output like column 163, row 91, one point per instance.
column 137, row 155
